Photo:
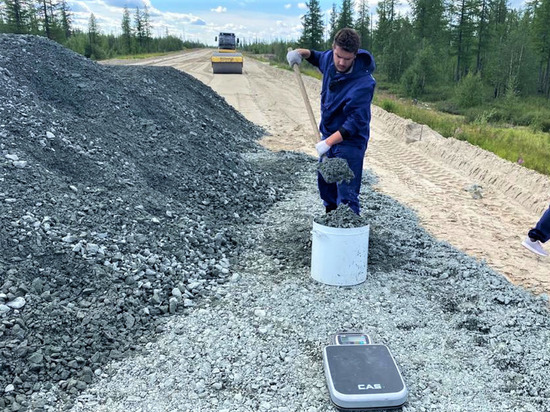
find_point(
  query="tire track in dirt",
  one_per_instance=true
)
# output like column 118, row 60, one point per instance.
column 425, row 177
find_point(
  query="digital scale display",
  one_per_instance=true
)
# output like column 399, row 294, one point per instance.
column 351, row 339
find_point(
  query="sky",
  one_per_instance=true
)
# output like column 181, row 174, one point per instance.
column 202, row 20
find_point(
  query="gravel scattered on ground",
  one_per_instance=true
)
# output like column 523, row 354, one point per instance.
column 155, row 258
column 464, row 338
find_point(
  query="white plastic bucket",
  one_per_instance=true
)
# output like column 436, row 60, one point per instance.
column 339, row 255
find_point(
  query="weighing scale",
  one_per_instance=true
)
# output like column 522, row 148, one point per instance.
column 362, row 376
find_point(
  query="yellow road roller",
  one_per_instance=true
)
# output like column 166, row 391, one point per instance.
column 226, row 59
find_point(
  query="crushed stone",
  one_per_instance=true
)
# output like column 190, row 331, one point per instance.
column 341, row 217
column 335, row 170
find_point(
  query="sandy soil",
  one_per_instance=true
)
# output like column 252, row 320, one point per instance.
column 415, row 165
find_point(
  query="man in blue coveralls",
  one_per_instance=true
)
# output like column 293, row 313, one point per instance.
column 346, row 96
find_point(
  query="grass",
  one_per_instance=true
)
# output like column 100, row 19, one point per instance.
column 144, row 55
column 510, row 143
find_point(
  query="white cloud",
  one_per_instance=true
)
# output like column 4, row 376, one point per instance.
column 288, row 6
column 302, row 6
column 219, row 9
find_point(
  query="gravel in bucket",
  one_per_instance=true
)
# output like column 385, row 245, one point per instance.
column 342, row 217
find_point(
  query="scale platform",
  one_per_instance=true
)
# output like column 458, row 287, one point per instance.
column 363, row 377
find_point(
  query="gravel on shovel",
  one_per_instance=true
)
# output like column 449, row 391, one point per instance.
column 335, row 170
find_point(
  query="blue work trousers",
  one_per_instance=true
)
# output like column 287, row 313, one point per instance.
column 333, row 194
column 542, row 230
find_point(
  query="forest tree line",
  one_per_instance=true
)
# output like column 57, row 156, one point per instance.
column 53, row 19
column 483, row 48
column 483, row 43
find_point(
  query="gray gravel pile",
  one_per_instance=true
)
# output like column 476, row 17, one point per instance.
column 124, row 194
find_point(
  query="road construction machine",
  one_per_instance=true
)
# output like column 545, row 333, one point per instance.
column 226, row 59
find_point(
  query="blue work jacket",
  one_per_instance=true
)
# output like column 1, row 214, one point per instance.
column 346, row 97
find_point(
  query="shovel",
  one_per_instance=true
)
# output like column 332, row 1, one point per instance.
column 314, row 128
column 332, row 169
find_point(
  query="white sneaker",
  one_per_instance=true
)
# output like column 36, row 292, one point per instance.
column 534, row 246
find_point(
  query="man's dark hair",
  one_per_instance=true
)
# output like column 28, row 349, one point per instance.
column 347, row 39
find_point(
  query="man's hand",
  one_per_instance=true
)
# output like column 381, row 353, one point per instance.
column 322, row 147
column 294, row 57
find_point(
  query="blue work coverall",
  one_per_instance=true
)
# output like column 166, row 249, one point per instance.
column 345, row 106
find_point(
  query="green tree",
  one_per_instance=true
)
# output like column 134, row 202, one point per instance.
column 463, row 30
column 47, row 19
column 312, row 22
column 429, row 22
column 93, row 50
column 421, row 74
column 362, row 24
column 345, row 18
column 384, row 28
column 332, row 24
column 399, row 50
column 507, row 51
column 146, row 26
column 65, row 18
column 18, row 16
column 138, row 28
column 126, row 26
column 541, row 39
column 483, row 34
column 142, row 28
column 469, row 91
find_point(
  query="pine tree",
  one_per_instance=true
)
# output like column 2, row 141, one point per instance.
column 483, row 34
column 65, row 18
column 138, row 26
column 146, row 27
column 429, row 22
column 541, row 39
column 126, row 31
column 312, row 34
column 333, row 23
column 18, row 15
column 93, row 35
column 345, row 18
column 362, row 23
column 384, row 27
column 463, row 30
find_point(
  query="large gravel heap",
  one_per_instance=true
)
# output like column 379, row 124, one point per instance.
column 156, row 259
column 124, row 196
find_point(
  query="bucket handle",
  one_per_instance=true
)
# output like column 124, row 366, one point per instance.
column 318, row 232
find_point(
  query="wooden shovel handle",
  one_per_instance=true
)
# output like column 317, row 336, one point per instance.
column 314, row 126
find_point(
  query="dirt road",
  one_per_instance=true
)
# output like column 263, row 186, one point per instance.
column 415, row 165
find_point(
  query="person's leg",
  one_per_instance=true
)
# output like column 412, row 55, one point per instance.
column 541, row 231
column 539, row 234
column 348, row 192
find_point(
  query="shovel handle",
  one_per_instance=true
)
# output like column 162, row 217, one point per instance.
column 314, row 126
